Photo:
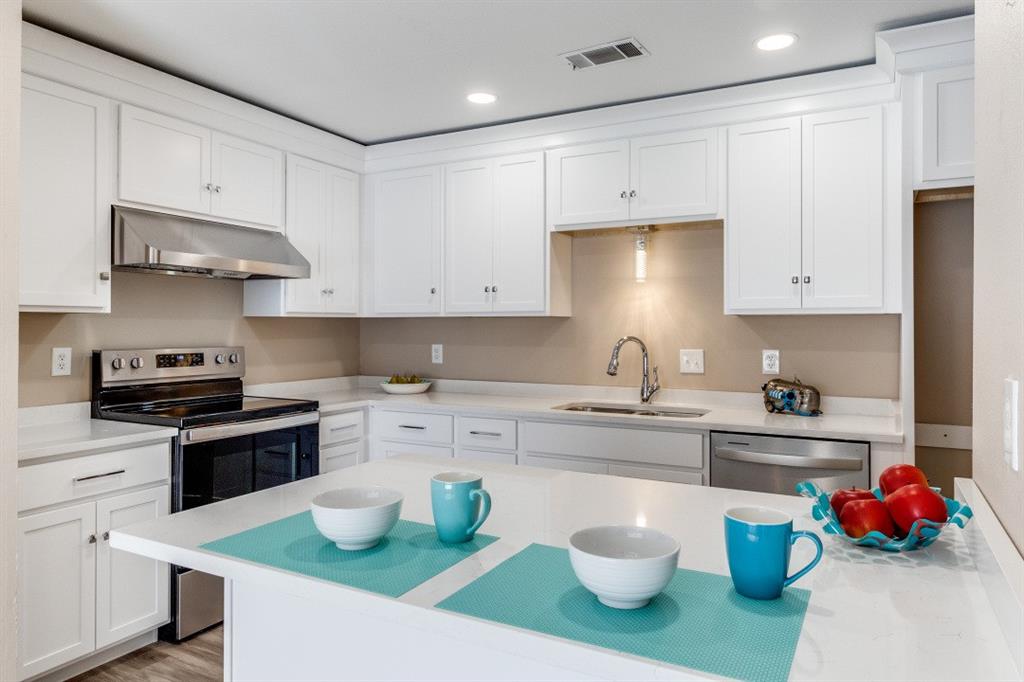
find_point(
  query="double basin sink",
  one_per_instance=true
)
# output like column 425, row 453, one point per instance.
column 634, row 410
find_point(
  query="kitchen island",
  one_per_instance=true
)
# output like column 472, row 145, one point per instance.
column 871, row 615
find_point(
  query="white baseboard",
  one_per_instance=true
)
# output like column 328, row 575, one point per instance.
column 97, row 659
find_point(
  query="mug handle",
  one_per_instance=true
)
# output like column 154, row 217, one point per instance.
column 485, row 509
column 793, row 537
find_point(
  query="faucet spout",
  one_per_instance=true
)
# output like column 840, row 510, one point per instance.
column 647, row 387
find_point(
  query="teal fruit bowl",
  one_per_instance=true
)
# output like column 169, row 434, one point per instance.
column 922, row 533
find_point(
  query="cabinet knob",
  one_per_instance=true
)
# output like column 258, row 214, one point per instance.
column 632, row 194
column 92, row 539
column 494, row 288
column 433, row 290
column 323, row 292
column 106, row 535
column 105, row 276
column 487, row 290
column 622, row 194
column 796, row 279
column 208, row 187
column 807, row 279
column 216, row 189
column 330, row 292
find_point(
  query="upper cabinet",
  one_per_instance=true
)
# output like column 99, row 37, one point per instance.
column 805, row 227
column 495, row 235
column 660, row 177
column 67, row 146
column 323, row 224
column 406, row 231
column 173, row 164
column 946, row 142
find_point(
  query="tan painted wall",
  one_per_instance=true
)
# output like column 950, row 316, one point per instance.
column 680, row 306
column 156, row 311
column 998, row 248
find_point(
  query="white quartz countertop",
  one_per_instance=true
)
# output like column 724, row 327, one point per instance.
column 720, row 418
column 40, row 441
column 872, row 615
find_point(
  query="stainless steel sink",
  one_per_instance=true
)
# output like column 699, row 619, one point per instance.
column 635, row 410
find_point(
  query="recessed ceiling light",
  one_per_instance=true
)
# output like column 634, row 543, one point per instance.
column 778, row 41
column 482, row 98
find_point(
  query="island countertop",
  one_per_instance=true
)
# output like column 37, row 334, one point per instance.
column 872, row 615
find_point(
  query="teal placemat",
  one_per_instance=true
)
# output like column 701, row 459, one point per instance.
column 698, row 622
column 409, row 555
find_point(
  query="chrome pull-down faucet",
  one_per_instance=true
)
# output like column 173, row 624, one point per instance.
column 647, row 388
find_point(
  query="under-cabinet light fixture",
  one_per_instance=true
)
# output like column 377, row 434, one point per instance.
column 640, row 246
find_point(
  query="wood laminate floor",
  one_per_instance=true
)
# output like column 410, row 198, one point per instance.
column 200, row 659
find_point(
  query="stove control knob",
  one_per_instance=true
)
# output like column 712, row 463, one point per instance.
column 233, row 358
column 117, row 363
column 219, row 359
column 137, row 363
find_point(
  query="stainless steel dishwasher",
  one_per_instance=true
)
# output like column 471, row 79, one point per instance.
column 775, row 464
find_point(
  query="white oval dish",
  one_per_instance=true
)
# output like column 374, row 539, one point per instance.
column 356, row 518
column 625, row 566
column 405, row 389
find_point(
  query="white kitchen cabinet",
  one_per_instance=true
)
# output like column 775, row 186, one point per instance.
column 341, row 440
column 132, row 593
column 763, row 228
column 323, row 224
column 67, row 148
column 181, row 166
column 56, row 587
column 495, row 235
column 565, row 464
column 336, row 457
column 407, row 234
column 946, row 149
column 843, row 222
column 247, row 180
column 657, row 177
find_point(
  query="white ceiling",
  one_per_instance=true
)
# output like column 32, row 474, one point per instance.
column 374, row 70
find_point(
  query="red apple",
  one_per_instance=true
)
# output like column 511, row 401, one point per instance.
column 899, row 475
column 842, row 496
column 913, row 502
column 859, row 517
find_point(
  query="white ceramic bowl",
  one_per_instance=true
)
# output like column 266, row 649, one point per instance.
column 356, row 518
column 405, row 389
column 625, row 566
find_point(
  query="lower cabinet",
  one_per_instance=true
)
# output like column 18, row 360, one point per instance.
column 77, row 594
column 341, row 440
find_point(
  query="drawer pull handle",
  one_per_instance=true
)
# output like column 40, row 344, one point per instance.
column 493, row 434
column 342, row 428
column 416, row 428
column 95, row 476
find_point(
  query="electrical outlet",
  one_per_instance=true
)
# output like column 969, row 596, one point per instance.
column 1011, row 439
column 437, row 354
column 770, row 362
column 691, row 361
column 60, row 365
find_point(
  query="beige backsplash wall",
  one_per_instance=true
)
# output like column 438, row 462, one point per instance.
column 680, row 306
column 158, row 311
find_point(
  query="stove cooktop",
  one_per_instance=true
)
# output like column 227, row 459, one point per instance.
column 206, row 412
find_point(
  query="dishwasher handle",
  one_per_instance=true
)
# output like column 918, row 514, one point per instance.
column 799, row 461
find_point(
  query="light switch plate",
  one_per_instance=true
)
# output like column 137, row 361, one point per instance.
column 1011, row 433
column 437, row 354
column 770, row 362
column 60, row 365
column 691, row 361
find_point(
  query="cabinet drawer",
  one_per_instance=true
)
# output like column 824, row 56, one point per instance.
column 496, row 434
column 414, row 426
column 485, row 456
column 670, row 475
column 71, row 479
column 340, row 456
column 397, row 449
column 546, row 462
column 339, row 428
column 648, row 446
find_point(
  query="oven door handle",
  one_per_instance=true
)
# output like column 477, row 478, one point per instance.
column 205, row 433
column 802, row 462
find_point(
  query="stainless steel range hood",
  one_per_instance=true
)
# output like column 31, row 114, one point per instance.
column 144, row 241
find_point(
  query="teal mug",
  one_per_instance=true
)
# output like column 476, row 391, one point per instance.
column 757, row 545
column 460, row 505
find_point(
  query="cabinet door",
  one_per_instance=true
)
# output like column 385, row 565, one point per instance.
column 589, row 183
column 674, row 174
column 66, row 188
column 407, row 232
column 341, row 241
column 519, row 282
column 843, row 224
column 762, row 225
column 947, row 128
column 248, row 180
column 583, row 466
column 305, row 229
column 340, row 456
column 469, row 236
column 56, row 587
column 132, row 591
column 163, row 161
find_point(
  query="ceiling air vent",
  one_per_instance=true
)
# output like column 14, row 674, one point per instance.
column 615, row 51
